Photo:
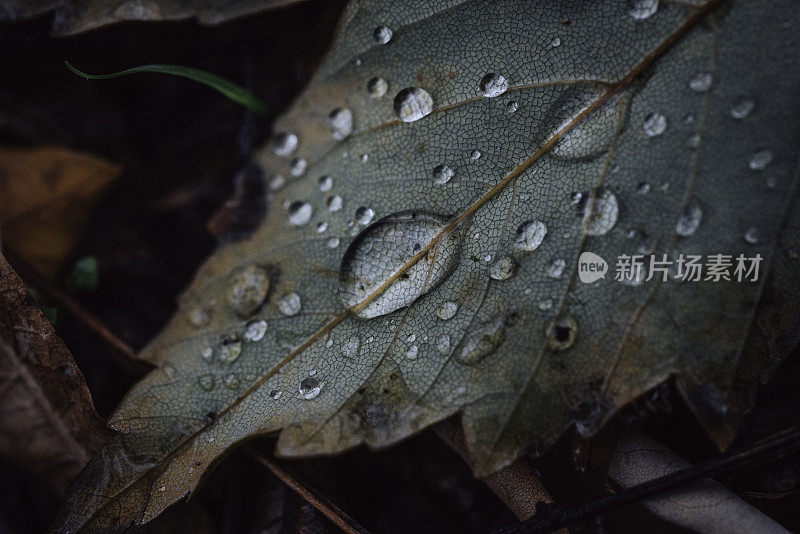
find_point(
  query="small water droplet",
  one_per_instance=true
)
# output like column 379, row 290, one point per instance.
column 277, row 182
column 333, row 242
column 309, row 388
column 231, row 381
column 322, row 226
column 364, row 215
column 442, row 174
column 556, row 268
column 493, row 85
column 377, row 87
column 255, row 330
column 447, row 310
column 351, row 346
column 341, row 122
column 230, row 349
column 751, row 236
column 475, row 155
column 561, row 333
column 382, row 34
column 206, row 382
column 443, row 344
column 411, row 338
column 512, row 106
column 325, row 183
column 600, row 215
column 364, row 158
column 379, row 252
column 334, row 202
column 248, row 289
column 290, row 304
column 760, row 159
column 411, row 352
column 555, row 42
column 693, row 141
column 298, row 166
column 643, row 188
column 412, row 103
column 207, row 353
column 742, row 108
column 690, row 218
column 771, row 182
column 275, row 394
column 482, row 340
column 284, row 144
column 642, row 9
column 530, row 235
column 502, row 268
column 700, row 82
column 300, row 213
column 655, row 124
column 169, row 371
column 198, row 316
column 545, row 304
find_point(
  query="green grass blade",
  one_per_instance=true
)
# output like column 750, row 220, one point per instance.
column 233, row 91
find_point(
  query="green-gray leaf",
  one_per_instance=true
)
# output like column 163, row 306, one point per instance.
column 420, row 259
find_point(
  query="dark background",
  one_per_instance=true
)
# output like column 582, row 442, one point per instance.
column 181, row 146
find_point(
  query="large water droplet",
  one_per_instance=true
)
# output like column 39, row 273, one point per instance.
column 255, row 330
column 742, row 108
column 701, row 82
column 290, row 304
column 530, row 235
column 309, row 388
column 442, row 174
column 760, row 159
column 502, row 268
column 378, row 253
column 341, row 123
column 690, row 218
column 642, row 9
column 382, row 34
column 594, row 133
column 600, row 215
column 412, row 103
column 284, row 144
column 655, row 124
column 482, row 340
column 493, row 85
column 377, row 87
column 249, row 286
column 447, row 310
column 300, row 213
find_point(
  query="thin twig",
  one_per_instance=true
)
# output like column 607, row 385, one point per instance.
column 550, row 517
column 312, row 496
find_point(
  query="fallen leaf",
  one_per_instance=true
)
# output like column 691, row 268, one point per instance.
column 47, row 420
column 46, row 195
column 443, row 173
column 77, row 16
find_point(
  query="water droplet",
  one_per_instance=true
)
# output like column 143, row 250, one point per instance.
column 206, row 382
column 255, row 330
column 545, row 304
column 475, row 155
column 412, row 103
column 442, row 174
column 443, row 344
column 207, row 353
column 364, row 215
column 300, row 213
column 594, row 133
column 382, row 34
column 169, row 371
column 493, row 85
column 290, row 304
column 333, row 242
column 248, row 289
column 690, row 218
column 322, row 226
column 411, row 352
column 377, row 87
column 742, row 108
column 482, row 340
column 198, row 316
column 275, row 394
column 502, row 268
column 334, row 203
column 298, row 166
column 231, row 381
column 642, row 9
column 772, row 182
column 643, row 188
column 701, row 82
column 693, row 141
column 447, row 310
column 230, row 349
column 561, row 333
column 162, row 488
column 600, row 215
column 325, row 183
column 530, row 235
column 379, row 252
column 364, row 158
column 576, row 198
column 341, row 123
column 284, row 144
column 555, row 42
column 350, row 349
column 277, row 182
column 556, row 268
column 751, row 236
column 309, row 388
column 655, row 124
column 760, row 159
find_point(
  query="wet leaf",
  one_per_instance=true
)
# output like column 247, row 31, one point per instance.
column 47, row 420
column 384, row 292
column 77, row 16
column 46, row 195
